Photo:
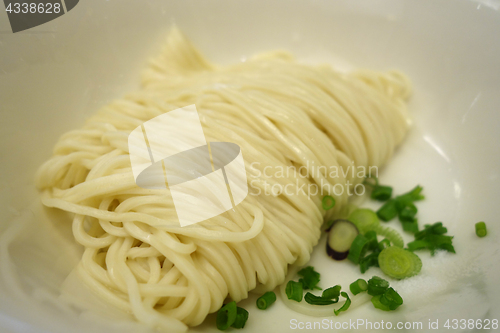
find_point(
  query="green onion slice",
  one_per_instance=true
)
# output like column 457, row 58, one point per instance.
column 376, row 303
column 294, row 291
column 264, row 301
column 410, row 226
column 388, row 211
column 481, row 229
column 358, row 248
column 310, row 278
column 226, row 316
column 366, row 220
column 328, row 202
column 432, row 237
column 408, row 212
column 391, row 299
column 381, row 193
column 434, row 229
column 411, row 196
column 332, row 293
column 384, row 243
column 392, row 235
column 372, row 240
column 346, row 305
column 394, row 206
column 439, row 239
column 444, row 246
column 370, row 260
column 418, row 245
column 241, row 318
column 358, row 286
column 318, row 300
column 399, row 263
column 377, row 286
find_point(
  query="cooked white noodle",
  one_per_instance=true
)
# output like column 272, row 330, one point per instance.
column 282, row 114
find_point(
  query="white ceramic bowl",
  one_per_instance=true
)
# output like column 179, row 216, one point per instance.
column 52, row 77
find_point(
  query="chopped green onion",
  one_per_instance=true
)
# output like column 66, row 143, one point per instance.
column 371, row 235
column 376, row 303
column 372, row 245
column 381, row 193
column 399, row 263
column 372, row 240
column 388, row 211
column 317, row 300
column 432, row 238
column 410, row 226
column 241, row 318
column 377, row 286
column 411, row 196
column 332, row 293
column 445, row 246
column 264, row 301
column 358, row 248
column 408, row 212
column 391, row 299
column 358, row 286
column 346, row 304
column 392, row 235
column 440, row 242
column 384, row 243
column 366, row 220
column 481, row 229
column 370, row 260
column 226, row 316
column 328, row 202
column 434, row 229
column 439, row 239
column 394, row 206
column 438, row 229
column 418, row 245
column 310, row 278
column 294, row 291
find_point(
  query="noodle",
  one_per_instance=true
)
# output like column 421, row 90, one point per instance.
column 283, row 115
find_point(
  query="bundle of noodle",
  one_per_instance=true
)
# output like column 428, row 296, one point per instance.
column 299, row 127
